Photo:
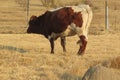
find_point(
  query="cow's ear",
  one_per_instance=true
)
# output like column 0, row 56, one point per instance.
column 33, row 17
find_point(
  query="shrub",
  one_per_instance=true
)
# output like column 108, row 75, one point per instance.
column 89, row 2
column 48, row 3
column 22, row 3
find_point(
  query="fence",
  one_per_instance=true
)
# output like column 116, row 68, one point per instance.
column 14, row 16
column 99, row 21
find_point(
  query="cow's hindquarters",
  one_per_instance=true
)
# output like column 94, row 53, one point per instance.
column 82, row 31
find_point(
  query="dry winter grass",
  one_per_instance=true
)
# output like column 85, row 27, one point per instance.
column 27, row 56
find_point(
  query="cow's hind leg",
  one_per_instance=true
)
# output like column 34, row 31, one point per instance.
column 52, row 45
column 83, row 43
column 63, row 43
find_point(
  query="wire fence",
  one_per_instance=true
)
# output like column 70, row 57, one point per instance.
column 14, row 16
column 99, row 20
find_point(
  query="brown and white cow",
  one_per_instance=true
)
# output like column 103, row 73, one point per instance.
column 62, row 22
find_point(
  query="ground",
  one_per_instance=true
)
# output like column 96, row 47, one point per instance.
column 27, row 56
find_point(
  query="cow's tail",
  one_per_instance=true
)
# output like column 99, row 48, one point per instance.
column 90, row 15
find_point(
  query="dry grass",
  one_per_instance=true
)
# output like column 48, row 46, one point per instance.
column 14, row 17
column 37, row 63
column 115, row 63
column 27, row 56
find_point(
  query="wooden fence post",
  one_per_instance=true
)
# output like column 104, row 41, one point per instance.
column 28, row 2
column 106, row 16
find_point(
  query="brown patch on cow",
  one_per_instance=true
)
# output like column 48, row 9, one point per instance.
column 77, row 19
column 65, row 16
column 59, row 19
column 51, row 22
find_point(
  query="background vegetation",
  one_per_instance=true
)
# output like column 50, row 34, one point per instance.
column 16, row 16
column 27, row 56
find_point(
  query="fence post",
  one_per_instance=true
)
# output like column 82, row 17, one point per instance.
column 106, row 15
column 28, row 1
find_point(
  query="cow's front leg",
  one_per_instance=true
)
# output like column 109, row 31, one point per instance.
column 63, row 43
column 52, row 45
column 83, row 44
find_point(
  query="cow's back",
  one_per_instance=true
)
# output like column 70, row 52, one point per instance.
column 58, row 20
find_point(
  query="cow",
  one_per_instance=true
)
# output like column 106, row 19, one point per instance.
column 63, row 22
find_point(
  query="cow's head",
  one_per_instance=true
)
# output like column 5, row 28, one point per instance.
column 31, row 27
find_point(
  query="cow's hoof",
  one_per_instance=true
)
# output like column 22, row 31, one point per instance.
column 64, row 50
column 52, row 52
column 80, row 53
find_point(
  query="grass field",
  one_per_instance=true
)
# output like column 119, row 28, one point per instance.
column 24, row 56
column 27, row 56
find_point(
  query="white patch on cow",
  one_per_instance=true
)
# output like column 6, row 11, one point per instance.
column 87, row 18
column 55, row 9
column 49, row 37
column 68, row 32
column 54, row 35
